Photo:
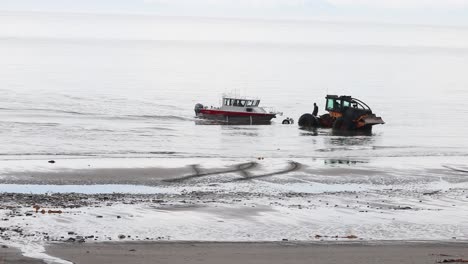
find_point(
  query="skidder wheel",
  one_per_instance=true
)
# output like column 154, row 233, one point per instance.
column 338, row 123
column 308, row 120
column 286, row 122
column 326, row 121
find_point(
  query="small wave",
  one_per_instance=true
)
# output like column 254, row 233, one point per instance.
column 402, row 147
column 46, row 124
column 97, row 115
column 70, row 112
column 455, row 167
column 343, row 149
column 169, row 106
column 49, row 154
column 160, row 117
column 160, row 128
column 357, row 148
column 92, row 154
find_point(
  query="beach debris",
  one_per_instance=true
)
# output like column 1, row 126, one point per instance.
column 431, row 193
column 285, row 239
column 122, row 236
column 4, row 246
column 51, row 161
column 43, row 211
column 132, row 249
column 453, row 261
column 348, row 236
column 71, row 233
column 403, row 208
column 36, row 207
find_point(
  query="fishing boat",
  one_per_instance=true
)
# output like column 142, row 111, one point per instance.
column 236, row 110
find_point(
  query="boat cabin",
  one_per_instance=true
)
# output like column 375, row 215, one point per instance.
column 240, row 102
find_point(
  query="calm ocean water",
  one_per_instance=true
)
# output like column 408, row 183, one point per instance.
column 90, row 86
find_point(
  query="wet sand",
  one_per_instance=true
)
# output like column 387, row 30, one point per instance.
column 291, row 171
column 140, row 176
column 242, row 202
column 14, row 256
column 259, row 253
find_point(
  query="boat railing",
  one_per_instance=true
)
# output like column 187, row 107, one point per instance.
column 272, row 110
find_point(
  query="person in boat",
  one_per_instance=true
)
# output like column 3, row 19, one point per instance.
column 315, row 112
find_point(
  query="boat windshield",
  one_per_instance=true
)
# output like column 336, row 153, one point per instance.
column 240, row 102
column 253, row 102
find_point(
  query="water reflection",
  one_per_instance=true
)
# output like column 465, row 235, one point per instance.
column 350, row 141
column 315, row 131
column 231, row 122
column 308, row 131
column 205, row 122
column 330, row 132
column 252, row 131
column 354, row 133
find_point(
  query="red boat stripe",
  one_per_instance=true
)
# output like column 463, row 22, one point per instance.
column 230, row 113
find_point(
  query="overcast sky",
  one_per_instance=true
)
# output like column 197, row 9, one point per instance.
column 438, row 12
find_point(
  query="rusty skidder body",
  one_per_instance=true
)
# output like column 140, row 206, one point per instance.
column 345, row 113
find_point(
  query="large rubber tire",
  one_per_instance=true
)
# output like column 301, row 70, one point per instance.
column 326, row 121
column 308, row 121
column 338, row 124
column 286, row 122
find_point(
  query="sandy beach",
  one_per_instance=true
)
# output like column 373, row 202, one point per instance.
column 258, row 253
column 274, row 212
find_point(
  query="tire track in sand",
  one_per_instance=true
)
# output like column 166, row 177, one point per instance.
column 241, row 168
column 293, row 166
